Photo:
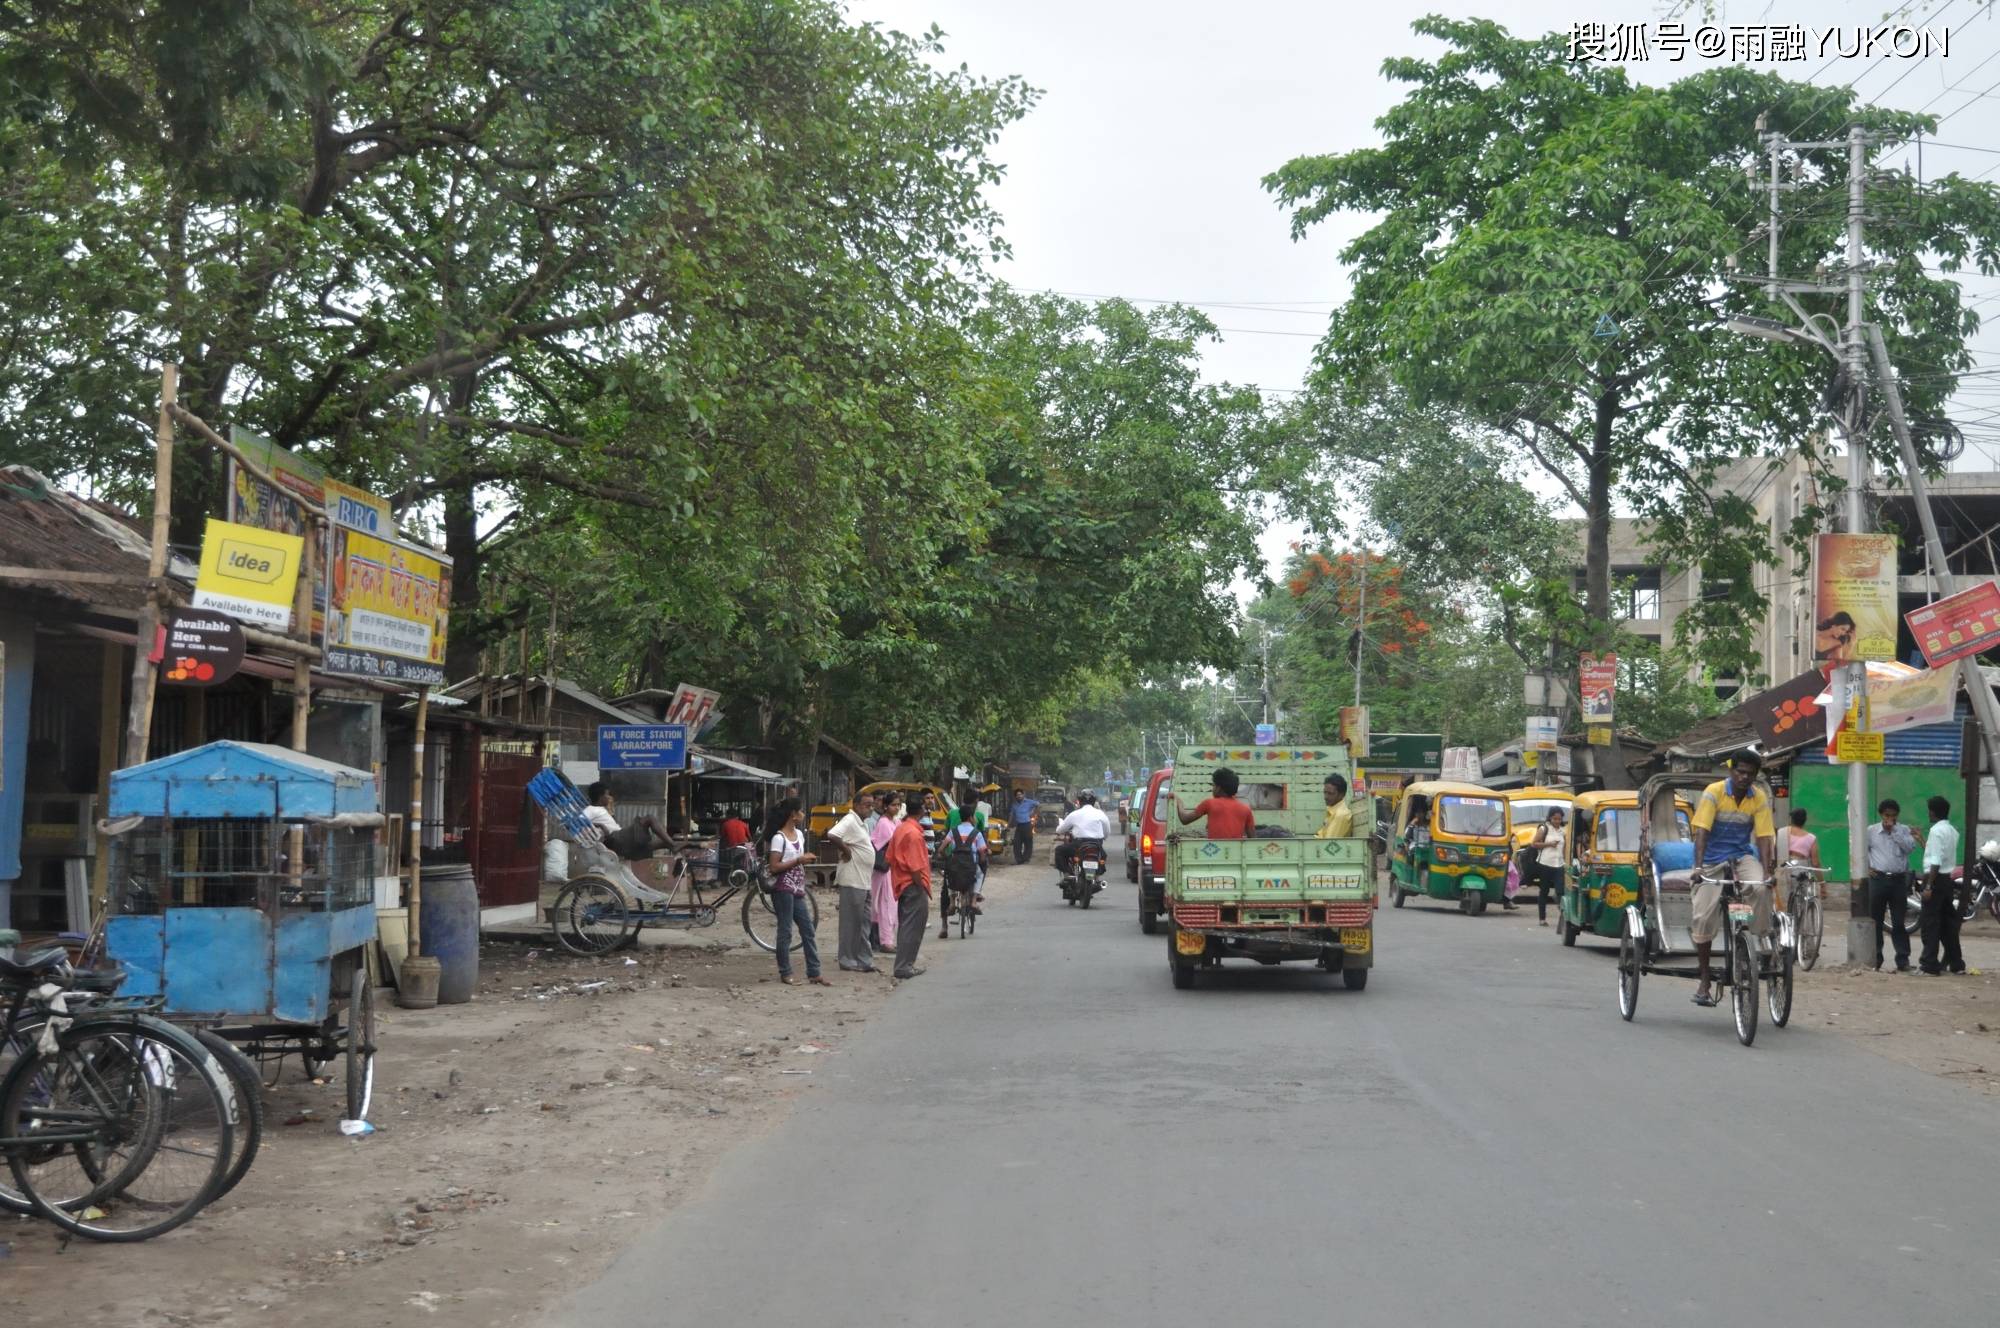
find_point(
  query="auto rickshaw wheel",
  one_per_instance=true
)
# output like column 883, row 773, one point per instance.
column 1397, row 894
column 1475, row 902
column 1569, row 932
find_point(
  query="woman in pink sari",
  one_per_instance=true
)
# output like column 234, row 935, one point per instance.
column 881, row 898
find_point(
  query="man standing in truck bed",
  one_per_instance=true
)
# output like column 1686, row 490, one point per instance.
column 1229, row 817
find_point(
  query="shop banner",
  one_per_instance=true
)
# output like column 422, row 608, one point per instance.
column 198, row 648
column 1929, row 697
column 1785, row 716
column 248, row 573
column 1958, row 625
column 695, row 707
column 1854, row 598
column 1599, row 677
column 388, row 605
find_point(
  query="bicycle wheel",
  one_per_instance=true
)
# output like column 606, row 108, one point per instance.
column 1812, row 922
column 760, row 917
column 128, row 1129
column 1629, row 972
column 1743, row 986
column 246, row 1107
column 590, row 916
column 1778, row 990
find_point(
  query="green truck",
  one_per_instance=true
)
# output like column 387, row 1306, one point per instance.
column 1281, row 894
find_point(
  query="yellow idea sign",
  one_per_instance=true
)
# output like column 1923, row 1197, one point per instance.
column 247, row 573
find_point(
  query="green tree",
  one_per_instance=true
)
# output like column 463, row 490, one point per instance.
column 1551, row 261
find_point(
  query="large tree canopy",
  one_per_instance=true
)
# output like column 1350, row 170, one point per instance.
column 1550, row 260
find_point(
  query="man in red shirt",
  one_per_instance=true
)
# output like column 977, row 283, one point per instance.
column 910, row 876
column 735, row 834
column 1229, row 817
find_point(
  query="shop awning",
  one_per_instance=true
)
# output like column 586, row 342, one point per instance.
column 711, row 766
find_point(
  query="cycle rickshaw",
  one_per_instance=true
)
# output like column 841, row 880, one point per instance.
column 1658, row 938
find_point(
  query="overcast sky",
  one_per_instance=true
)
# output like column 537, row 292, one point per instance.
column 1138, row 173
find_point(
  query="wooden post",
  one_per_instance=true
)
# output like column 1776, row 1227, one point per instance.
column 139, row 723
column 416, row 853
column 109, row 693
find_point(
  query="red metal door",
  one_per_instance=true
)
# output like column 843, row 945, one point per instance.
column 505, row 838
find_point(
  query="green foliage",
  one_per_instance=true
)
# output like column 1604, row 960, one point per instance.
column 1524, row 202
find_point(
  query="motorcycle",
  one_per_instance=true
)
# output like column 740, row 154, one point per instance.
column 1024, row 842
column 1985, row 891
column 1084, row 876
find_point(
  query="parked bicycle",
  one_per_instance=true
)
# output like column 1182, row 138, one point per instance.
column 114, row 1124
column 1803, row 887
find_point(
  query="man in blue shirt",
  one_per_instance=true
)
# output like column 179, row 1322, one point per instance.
column 1024, row 810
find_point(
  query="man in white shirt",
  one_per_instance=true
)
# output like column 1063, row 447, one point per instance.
column 854, row 876
column 632, row 842
column 1940, row 917
column 1086, row 822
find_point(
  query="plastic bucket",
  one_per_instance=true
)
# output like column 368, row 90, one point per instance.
column 449, row 918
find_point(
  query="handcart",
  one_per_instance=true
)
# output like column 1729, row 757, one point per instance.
column 243, row 895
column 1658, row 935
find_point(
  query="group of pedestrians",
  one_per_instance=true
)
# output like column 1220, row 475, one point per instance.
column 1890, row 844
column 884, row 880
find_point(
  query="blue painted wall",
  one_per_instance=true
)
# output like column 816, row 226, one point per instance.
column 18, row 635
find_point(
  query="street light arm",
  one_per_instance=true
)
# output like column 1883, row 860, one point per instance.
column 1806, row 318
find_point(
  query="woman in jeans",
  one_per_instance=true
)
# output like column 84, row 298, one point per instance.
column 788, row 893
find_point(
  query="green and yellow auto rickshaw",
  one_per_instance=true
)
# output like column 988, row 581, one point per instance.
column 1602, row 874
column 1451, row 843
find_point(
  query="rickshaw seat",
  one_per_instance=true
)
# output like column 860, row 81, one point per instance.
column 1675, row 855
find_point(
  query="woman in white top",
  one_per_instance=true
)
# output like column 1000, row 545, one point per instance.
column 788, row 893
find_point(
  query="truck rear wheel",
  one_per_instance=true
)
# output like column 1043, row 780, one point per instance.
column 1181, row 966
column 1355, row 978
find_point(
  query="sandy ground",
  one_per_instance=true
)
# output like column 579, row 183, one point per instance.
column 521, row 1140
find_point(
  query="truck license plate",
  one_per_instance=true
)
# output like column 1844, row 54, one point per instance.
column 1357, row 938
column 1190, row 942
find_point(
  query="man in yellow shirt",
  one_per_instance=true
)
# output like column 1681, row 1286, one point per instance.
column 1339, row 823
column 1733, row 816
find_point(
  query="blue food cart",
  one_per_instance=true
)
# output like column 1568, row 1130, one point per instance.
column 243, row 894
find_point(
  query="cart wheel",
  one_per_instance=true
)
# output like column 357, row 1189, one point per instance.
column 1778, row 989
column 360, row 1049
column 246, row 1107
column 590, row 916
column 1630, row 967
column 1743, row 986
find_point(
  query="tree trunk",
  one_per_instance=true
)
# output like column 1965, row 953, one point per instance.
column 1597, row 519
column 461, row 541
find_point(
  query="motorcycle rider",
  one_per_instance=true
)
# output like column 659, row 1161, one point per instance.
column 1080, row 826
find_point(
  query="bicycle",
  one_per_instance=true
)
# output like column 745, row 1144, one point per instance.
column 115, row 1125
column 1802, row 903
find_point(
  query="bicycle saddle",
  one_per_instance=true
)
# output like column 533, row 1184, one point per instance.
column 34, row 966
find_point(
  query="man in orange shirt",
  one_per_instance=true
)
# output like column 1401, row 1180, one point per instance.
column 910, row 876
column 1229, row 817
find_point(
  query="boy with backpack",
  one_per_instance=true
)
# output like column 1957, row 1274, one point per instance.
column 964, row 853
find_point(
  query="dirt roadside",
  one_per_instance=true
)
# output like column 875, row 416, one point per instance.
column 521, row 1140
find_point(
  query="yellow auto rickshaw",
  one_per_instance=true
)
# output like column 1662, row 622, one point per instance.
column 1451, row 842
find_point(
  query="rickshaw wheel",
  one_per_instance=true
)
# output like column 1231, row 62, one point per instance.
column 1397, row 894
column 1629, row 971
column 590, row 916
column 1475, row 903
column 1778, row 989
column 360, row 1047
column 1743, row 986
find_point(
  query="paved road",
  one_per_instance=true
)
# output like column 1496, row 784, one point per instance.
column 1049, row 1135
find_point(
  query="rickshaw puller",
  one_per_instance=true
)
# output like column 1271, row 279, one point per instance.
column 1733, row 813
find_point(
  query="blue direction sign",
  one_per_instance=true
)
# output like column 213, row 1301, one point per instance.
column 642, row 746
column 1267, row 735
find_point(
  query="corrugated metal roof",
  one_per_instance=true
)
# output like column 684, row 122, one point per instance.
column 1932, row 745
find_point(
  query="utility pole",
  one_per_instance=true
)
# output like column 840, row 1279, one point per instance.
column 1852, row 353
column 1265, row 683
column 1360, row 625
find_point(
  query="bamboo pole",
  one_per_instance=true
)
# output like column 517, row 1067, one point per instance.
column 139, row 719
column 235, row 453
column 416, row 854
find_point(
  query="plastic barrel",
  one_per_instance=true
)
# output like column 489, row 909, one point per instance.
column 449, row 917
